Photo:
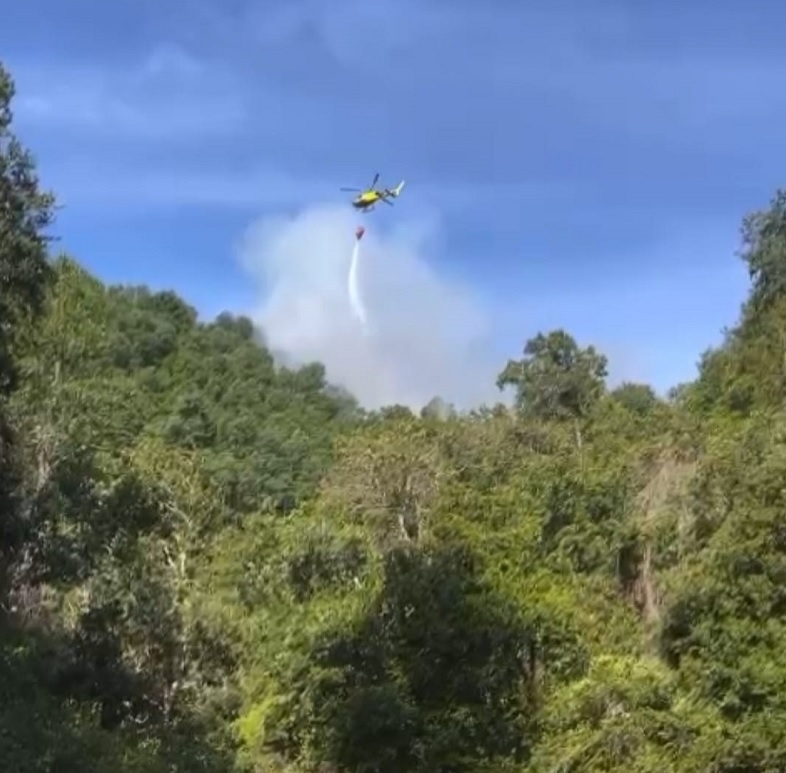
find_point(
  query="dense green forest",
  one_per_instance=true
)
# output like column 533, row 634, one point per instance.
column 209, row 562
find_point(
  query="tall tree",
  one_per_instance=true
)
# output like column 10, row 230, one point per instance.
column 764, row 250
column 25, row 212
column 556, row 379
column 637, row 398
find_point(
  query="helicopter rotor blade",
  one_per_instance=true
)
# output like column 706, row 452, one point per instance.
column 376, row 177
column 355, row 190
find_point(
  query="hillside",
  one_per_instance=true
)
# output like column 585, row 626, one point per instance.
column 212, row 563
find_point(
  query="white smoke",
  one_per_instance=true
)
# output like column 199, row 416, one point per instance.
column 430, row 335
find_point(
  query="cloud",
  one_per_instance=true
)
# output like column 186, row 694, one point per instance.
column 430, row 336
column 166, row 94
column 104, row 184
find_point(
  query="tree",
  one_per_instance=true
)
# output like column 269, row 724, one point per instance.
column 25, row 212
column 637, row 398
column 436, row 676
column 24, row 273
column 764, row 250
column 556, row 379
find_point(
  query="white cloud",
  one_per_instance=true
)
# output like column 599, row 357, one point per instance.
column 101, row 183
column 429, row 336
column 164, row 95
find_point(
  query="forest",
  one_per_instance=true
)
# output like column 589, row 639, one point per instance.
column 211, row 562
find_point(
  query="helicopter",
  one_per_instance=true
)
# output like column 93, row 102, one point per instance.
column 367, row 199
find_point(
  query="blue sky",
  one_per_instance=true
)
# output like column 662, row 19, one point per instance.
column 576, row 163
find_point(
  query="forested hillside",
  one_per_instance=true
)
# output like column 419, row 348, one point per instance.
column 209, row 562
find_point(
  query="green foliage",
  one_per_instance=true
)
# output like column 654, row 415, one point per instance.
column 626, row 715
column 738, row 576
column 434, row 675
column 25, row 213
column 764, row 250
column 556, row 378
column 134, row 363
column 639, row 399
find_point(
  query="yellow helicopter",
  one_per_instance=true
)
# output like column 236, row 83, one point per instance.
column 367, row 199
